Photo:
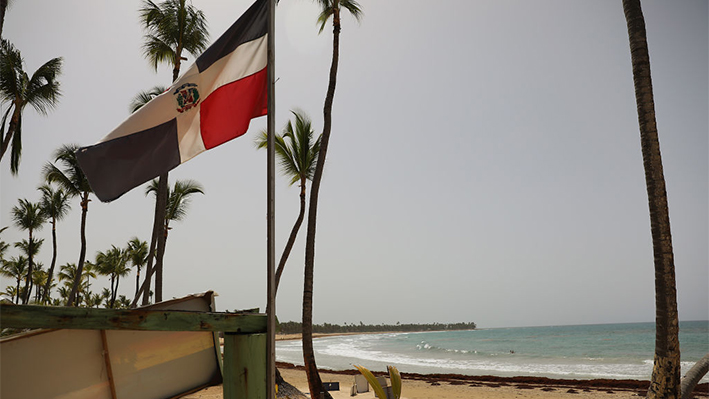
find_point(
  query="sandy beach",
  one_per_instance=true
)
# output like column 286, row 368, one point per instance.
column 447, row 387
column 463, row 387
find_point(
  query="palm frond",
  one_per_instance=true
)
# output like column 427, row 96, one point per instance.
column 327, row 10
column 179, row 199
column 172, row 25
column 157, row 51
column 324, row 16
column 69, row 177
column 43, row 89
column 10, row 63
column 152, row 187
column 144, row 97
column 354, row 9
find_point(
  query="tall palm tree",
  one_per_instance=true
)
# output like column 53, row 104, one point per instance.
column 173, row 27
column 138, row 255
column 330, row 9
column 55, row 205
column 665, row 380
column 113, row 263
column 72, row 180
column 297, row 155
column 28, row 216
column 15, row 268
column 175, row 210
column 18, row 89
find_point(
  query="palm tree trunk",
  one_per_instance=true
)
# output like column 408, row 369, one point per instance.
column 137, row 282
column 28, row 278
column 292, row 237
column 14, row 120
column 159, row 260
column 665, row 381
column 149, row 266
column 314, row 381
column 158, row 240
column 50, row 274
column 16, row 297
column 3, row 8
column 82, row 255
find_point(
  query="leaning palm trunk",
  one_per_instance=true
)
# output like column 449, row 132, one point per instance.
column 314, row 381
column 145, row 289
column 292, row 237
column 82, row 255
column 11, row 128
column 3, row 7
column 665, row 380
column 693, row 376
column 158, row 241
column 50, row 274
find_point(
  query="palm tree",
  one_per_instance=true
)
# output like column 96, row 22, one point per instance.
column 113, row 263
column 93, row 300
column 28, row 216
column 69, row 273
column 41, row 91
column 39, row 280
column 55, row 206
column 297, row 155
column 72, row 180
column 175, row 210
column 144, row 97
column 330, row 9
column 665, row 380
column 172, row 27
column 15, row 268
column 138, row 255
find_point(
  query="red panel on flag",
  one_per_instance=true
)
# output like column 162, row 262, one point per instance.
column 226, row 113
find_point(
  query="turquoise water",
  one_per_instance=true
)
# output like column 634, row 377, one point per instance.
column 618, row 351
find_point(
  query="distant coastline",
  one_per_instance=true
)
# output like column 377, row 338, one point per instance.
column 292, row 327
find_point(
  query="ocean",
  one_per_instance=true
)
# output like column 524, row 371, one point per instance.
column 615, row 351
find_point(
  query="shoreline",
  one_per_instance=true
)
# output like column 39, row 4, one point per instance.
column 571, row 386
column 545, row 384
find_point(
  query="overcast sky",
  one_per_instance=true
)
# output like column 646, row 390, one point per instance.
column 484, row 163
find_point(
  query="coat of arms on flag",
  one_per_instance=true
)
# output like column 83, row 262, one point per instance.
column 187, row 96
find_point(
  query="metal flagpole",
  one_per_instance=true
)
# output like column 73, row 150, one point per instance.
column 271, row 211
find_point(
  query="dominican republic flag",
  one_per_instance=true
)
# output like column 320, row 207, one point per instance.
column 210, row 104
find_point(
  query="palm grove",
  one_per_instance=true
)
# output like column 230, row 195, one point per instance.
column 174, row 28
column 171, row 28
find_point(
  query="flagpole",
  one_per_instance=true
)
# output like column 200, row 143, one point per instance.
column 271, row 211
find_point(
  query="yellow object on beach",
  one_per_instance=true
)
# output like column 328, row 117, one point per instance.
column 378, row 388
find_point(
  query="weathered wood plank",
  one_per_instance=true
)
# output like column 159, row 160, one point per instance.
column 30, row 316
column 245, row 366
